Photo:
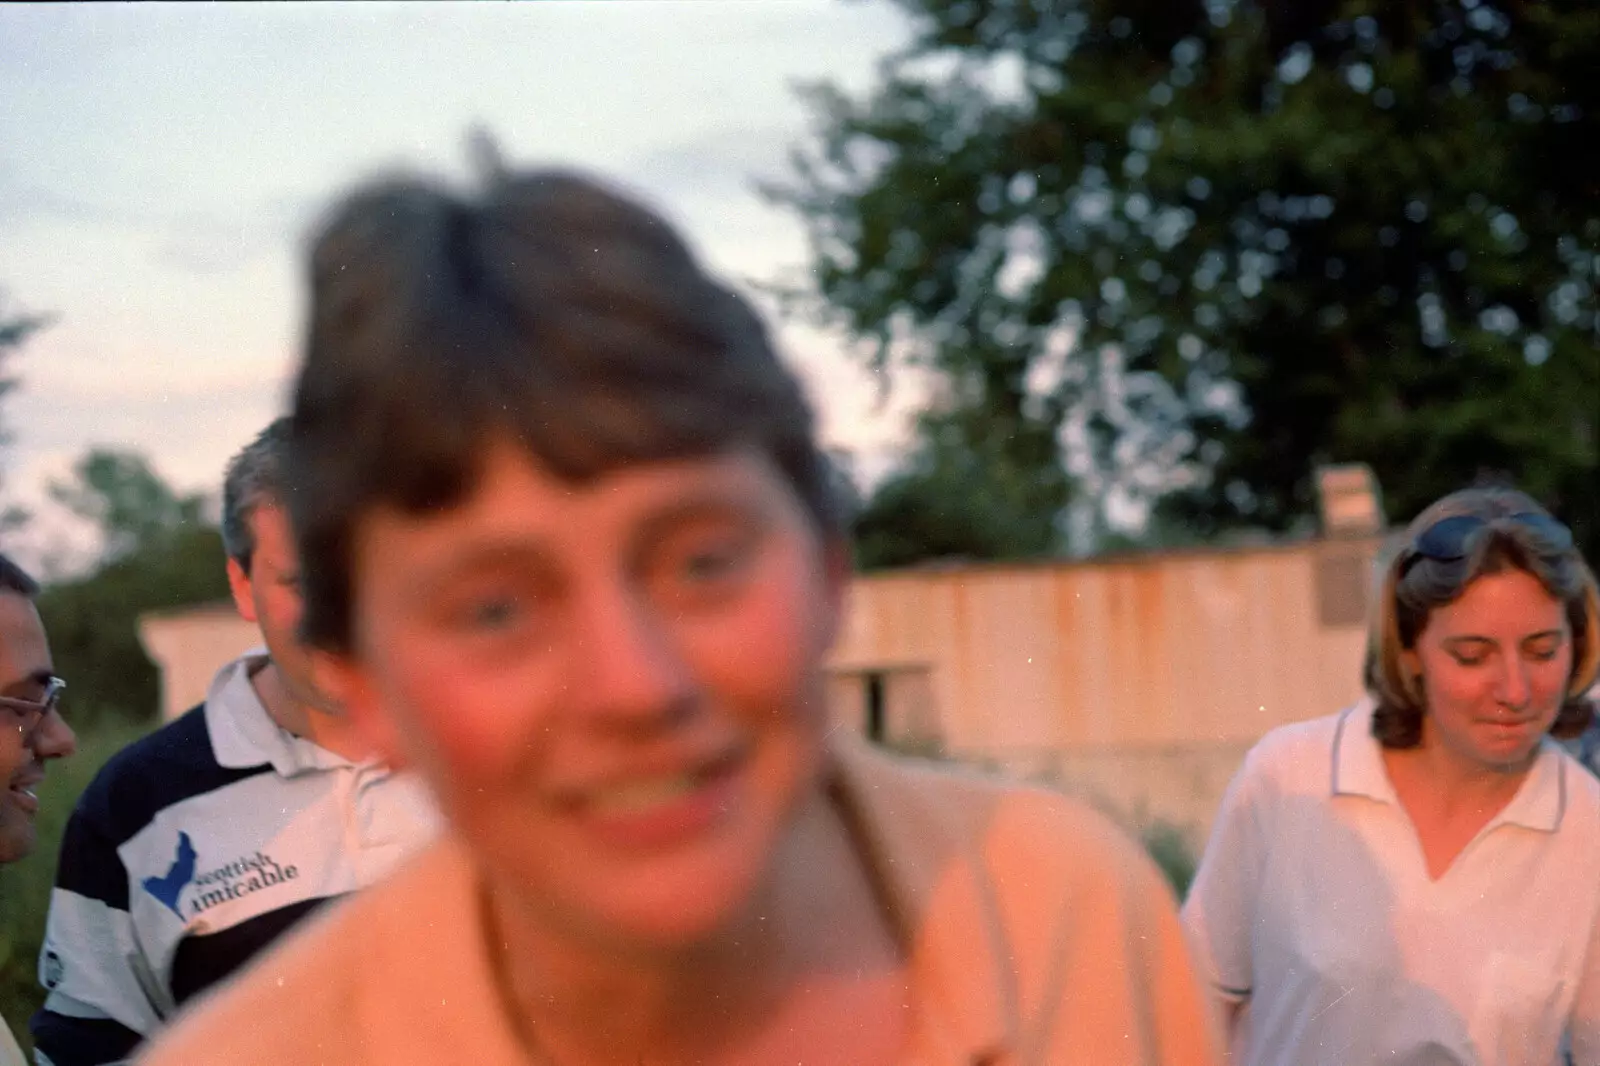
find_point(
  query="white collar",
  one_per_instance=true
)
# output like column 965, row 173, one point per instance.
column 1358, row 770
column 243, row 734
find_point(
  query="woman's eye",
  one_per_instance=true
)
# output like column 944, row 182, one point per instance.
column 1471, row 660
column 710, row 565
column 497, row 613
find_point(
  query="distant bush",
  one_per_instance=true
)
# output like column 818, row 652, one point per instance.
column 1168, row 845
column 93, row 621
column 25, row 885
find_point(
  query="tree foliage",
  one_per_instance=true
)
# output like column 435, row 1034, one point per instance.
column 127, row 501
column 1204, row 245
column 15, row 329
column 975, row 487
column 159, row 554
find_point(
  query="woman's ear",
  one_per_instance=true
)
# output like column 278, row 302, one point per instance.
column 346, row 682
column 1411, row 670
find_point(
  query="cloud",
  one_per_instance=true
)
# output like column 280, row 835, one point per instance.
column 209, row 242
column 161, row 166
column 192, row 240
column 193, row 429
column 726, row 158
column 22, row 202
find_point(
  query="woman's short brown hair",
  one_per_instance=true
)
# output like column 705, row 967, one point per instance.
column 1414, row 585
column 547, row 309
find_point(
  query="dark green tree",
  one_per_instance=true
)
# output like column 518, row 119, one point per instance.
column 159, row 553
column 127, row 501
column 970, row 490
column 15, row 329
column 1205, row 245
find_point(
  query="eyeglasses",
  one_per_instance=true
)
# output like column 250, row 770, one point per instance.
column 29, row 713
column 1451, row 539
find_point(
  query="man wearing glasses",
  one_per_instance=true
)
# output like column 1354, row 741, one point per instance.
column 199, row 845
column 31, row 729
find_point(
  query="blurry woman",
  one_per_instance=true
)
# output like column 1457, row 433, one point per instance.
column 570, row 550
column 1417, row 878
column 31, row 730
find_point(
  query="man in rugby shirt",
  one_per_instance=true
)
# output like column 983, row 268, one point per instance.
column 200, row 844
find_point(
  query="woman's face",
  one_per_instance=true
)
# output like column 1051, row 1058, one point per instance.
column 1495, row 665
column 614, row 689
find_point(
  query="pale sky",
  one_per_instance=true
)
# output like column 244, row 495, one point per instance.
column 160, row 165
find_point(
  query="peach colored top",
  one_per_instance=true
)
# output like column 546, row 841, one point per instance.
column 1035, row 932
column 10, row 1053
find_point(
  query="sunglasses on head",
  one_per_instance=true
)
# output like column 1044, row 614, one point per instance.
column 31, row 712
column 1450, row 539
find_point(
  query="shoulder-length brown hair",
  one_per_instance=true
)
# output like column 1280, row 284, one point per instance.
column 1414, row 585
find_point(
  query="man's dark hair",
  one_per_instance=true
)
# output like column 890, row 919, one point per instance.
column 254, row 477
column 549, row 311
column 15, row 579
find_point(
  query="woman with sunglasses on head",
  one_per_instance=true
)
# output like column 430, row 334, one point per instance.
column 1417, row 878
column 31, row 729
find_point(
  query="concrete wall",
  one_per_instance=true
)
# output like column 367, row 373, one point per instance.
column 1138, row 683
column 189, row 645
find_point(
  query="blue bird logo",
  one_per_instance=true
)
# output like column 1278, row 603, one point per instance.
column 169, row 887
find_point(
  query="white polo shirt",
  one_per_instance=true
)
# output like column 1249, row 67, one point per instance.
column 1313, row 907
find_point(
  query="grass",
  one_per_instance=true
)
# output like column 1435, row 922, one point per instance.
column 25, row 885
column 1168, row 845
